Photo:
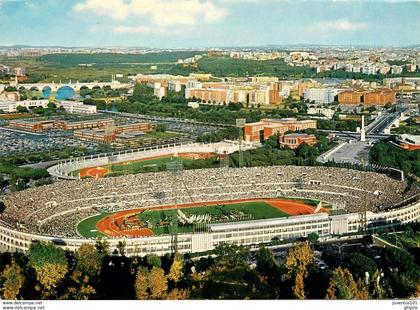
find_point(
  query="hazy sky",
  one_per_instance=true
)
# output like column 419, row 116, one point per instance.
column 200, row 23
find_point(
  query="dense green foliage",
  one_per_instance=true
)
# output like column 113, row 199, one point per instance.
column 66, row 66
column 222, row 66
column 386, row 154
column 103, row 59
column 104, row 92
column 410, row 126
column 46, row 253
column 337, row 124
column 232, row 273
column 230, row 133
column 35, row 157
column 23, row 173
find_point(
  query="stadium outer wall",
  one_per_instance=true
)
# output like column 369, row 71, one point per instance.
column 240, row 233
column 63, row 169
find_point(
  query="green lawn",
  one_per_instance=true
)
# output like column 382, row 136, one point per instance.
column 161, row 134
column 148, row 165
column 254, row 210
column 87, row 227
column 142, row 166
column 55, row 67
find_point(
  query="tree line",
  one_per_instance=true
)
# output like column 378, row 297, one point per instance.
column 233, row 272
column 388, row 155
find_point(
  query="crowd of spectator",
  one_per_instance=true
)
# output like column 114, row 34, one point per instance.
column 56, row 209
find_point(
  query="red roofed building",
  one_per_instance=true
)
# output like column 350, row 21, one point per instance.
column 262, row 130
column 293, row 140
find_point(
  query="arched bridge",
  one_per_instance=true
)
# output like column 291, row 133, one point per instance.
column 76, row 86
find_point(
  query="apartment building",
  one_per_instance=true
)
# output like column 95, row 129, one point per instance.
column 262, row 130
column 76, row 107
column 248, row 93
column 382, row 96
column 320, row 95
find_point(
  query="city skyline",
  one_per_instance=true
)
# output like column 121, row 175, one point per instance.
column 198, row 24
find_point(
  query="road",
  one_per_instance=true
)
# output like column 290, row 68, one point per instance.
column 352, row 151
column 381, row 123
column 355, row 151
column 355, row 135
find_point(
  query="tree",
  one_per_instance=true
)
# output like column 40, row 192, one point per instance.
column 177, row 294
column 79, row 288
column 176, row 270
column 313, row 237
column 50, row 264
column 272, row 141
column 358, row 264
column 267, row 264
column 158, row 283
column 231, row 256
column 342, row 285
column 14, row 280
column 21, row 109
column 403, row 272
column 102, row 247
column 121, row 247
column 297, row 261
column 299, row 287
column 89, row 260
column 141, row 283
column 52, row 106
column 50, row 274
column 153, row 260
column 2, row 205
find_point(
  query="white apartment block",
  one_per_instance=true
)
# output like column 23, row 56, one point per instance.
column 396, row 69
column 174, row 86
column 159, row 91
column 77, row 107
column 9, row 106
column 369, row 69
column 327, row 112
column 320, row 95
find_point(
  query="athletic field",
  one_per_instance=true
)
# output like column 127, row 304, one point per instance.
column 187, row 218
column 144, row 165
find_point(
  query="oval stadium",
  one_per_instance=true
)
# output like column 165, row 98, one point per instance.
column 195, row 210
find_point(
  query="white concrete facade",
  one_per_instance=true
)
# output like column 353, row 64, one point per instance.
column 75, row 107
column 239, row 233
column 63, row 169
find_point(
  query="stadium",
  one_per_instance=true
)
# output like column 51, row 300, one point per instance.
column 195, row 210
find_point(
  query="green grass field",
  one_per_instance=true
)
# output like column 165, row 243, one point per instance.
column 141, row 166
column 254, row 210
column 87, row 227
column 148, row 165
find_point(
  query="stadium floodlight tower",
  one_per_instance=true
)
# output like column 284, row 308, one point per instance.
column 364, row 206
column 240, row 123
column 174, row 167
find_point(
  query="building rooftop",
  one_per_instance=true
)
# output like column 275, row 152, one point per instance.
column 292, row 135
column 267, row 222
column 413, row 139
